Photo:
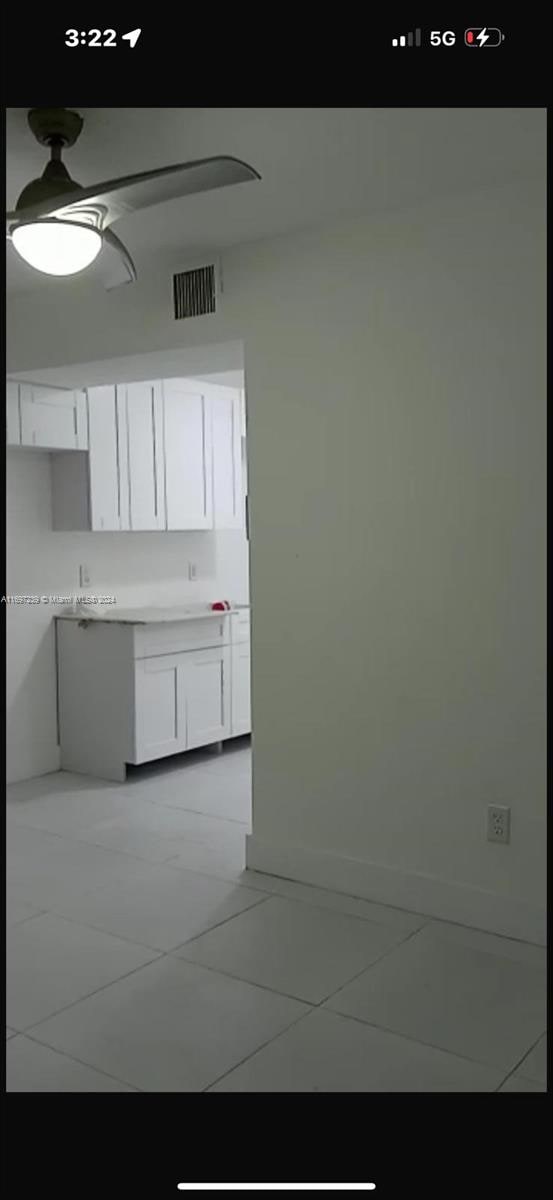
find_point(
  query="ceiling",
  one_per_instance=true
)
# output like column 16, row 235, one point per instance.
column 317, row 164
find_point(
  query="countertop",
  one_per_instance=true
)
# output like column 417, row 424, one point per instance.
column 149, row 616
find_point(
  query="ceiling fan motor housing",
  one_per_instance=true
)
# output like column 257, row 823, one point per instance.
column 53, row 182
column 55, row 126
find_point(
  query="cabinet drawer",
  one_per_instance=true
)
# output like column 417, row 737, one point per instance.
column 150, row 640
column 240, row 626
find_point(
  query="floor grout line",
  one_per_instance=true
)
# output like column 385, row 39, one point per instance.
column 36, row 1024
column 417, row 1041
column 519, row 1063
column 314, row 1004
column 205, row 770
column 79, row 1061
column 257, row 1050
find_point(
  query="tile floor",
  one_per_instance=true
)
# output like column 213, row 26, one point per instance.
column 142, row 956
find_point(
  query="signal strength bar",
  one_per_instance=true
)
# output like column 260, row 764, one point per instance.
column 408, row 39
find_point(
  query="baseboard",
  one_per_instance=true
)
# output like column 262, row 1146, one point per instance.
column 425, row 894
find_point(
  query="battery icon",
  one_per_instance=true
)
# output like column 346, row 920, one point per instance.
column 484, row 37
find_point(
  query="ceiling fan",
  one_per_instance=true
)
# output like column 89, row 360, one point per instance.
column 60, row 227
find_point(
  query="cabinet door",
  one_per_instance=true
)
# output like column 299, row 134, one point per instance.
column 228, row 505
column 52, row 418
column 103, row 447
column 188, row 466
column 207, row 696
column 241, row 697
column 143, row 412
column 13, row 428
column 160, row 706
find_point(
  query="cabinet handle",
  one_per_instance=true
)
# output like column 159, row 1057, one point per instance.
column 117, row 455
column 154, row 451
column 204, row 457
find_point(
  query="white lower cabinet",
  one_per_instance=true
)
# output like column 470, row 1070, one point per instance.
column 130, row 693
column 181, row 701
column 160, row 706
column 208, row 696
column 241, row 697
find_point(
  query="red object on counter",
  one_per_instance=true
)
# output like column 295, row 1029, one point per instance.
column 221, row 605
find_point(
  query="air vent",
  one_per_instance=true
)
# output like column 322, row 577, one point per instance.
column 195, row 292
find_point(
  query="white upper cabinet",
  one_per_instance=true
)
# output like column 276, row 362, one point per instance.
column 228, row 500
column 91, row 491
column 161, row 455
column 13, row 426
column 142, row 411
column 188, row 455
column 103, row 466
column 52, row 418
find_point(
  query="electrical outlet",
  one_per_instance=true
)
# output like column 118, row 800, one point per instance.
column 499, row 824
column 84, row 576
column 192, row 571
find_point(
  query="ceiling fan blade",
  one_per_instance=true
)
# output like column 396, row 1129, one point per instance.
column 116, row 198
column 121, row 268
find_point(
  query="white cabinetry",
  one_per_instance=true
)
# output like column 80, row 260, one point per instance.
column 182, row 701
column 160, row 706
column 52, row 418
column 228, row 500
column 188, row 455
column 105, row 482
column 13, row 424
column 118, row 484
column 131, row 693
column 207, row 696
column 143, row 414
column 241, row 721
column 161, row 455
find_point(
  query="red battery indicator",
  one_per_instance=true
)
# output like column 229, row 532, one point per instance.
column 483, row 36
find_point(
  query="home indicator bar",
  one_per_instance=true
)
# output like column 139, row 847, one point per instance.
column 276, row 1187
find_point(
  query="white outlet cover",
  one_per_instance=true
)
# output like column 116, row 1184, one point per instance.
column 499, row 824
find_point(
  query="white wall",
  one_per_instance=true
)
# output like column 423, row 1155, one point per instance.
column 400, row 614
column 137, row 568
column 396, row 425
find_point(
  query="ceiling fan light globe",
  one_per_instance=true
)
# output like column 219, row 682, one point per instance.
column 57, row 247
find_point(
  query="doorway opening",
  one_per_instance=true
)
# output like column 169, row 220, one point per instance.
column 148, row 645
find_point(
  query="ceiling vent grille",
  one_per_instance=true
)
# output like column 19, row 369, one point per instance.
column 195, row 292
